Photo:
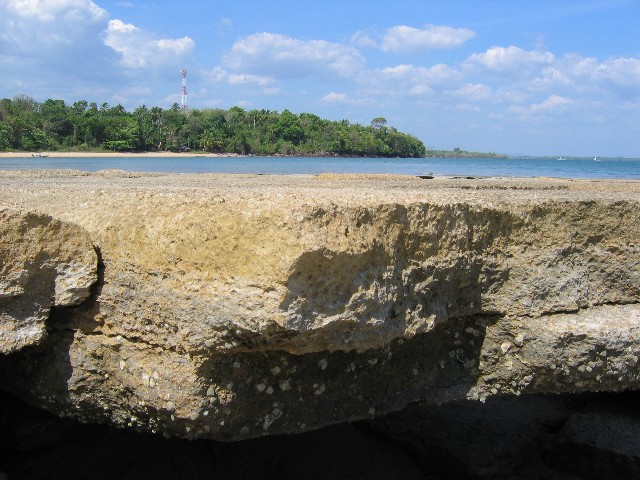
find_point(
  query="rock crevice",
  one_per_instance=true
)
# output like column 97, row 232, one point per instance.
column 44, row 263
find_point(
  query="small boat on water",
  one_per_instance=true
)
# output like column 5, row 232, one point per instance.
column 40, row 155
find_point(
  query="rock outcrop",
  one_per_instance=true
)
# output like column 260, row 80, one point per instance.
column 230, row 307
column 44, row 263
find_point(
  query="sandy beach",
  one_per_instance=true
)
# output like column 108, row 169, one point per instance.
column 113, row 154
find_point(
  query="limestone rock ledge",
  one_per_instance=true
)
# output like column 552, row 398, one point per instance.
column 44, row 263
column 231, row 307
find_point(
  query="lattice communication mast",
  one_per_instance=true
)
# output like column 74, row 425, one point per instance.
column 183, row 100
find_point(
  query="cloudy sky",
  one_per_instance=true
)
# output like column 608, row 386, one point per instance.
column 520, row 77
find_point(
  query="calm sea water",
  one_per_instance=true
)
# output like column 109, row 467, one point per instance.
column 513, row 167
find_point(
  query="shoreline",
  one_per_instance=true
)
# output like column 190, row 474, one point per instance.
column 118, row 155
column 173, row 155
column 238, row 155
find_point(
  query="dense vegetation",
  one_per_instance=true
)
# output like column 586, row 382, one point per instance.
column 28, row 125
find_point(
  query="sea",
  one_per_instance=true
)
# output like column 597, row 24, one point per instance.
column 598, row 168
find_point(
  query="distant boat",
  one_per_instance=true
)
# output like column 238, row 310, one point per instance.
column 40, row 155
column 560, row 158
column 595, row 159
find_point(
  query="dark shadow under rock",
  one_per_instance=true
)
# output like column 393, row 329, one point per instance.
column 474, row 440
column 36, row 445
column 603, row 441
column 339, row 452
column 565, row 437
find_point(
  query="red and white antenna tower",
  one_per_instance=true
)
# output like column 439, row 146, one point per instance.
column 183, row 100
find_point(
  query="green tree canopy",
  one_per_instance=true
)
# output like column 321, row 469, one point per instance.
column 26, row 124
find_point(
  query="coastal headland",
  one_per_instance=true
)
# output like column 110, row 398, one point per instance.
column 235, row 306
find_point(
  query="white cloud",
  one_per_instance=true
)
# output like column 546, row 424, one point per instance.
column 281, row 57
column 220, row 75
column 551, row 78
column 55, row 10
column 343, row 98
column 334, row 97
column 58, row 39
column 411, row 79
column 121, row 27
column 619, row 73
column 510, row 95
column 40, row 27
column 437, row 74
column 552, row 105
column 75, row 49
column 618, row 76
column 139, row 49
column 511, row 59
column 474, row 92
column 570, row 73
column 363, row 40
column 576, row 66
column 403, row 39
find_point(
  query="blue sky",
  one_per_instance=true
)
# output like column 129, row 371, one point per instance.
column 518, row 77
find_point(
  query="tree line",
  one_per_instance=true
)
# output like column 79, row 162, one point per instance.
column 28, row 125
column 457, row 152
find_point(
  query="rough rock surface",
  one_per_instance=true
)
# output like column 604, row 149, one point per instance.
column 231, row 307
column 44, row 263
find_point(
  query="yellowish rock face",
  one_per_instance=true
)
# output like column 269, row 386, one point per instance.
column 220, row 296
column 44, row 263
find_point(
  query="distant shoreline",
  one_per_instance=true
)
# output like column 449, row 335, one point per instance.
column 207, row 155
column 237, row 155
column 115, row 154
